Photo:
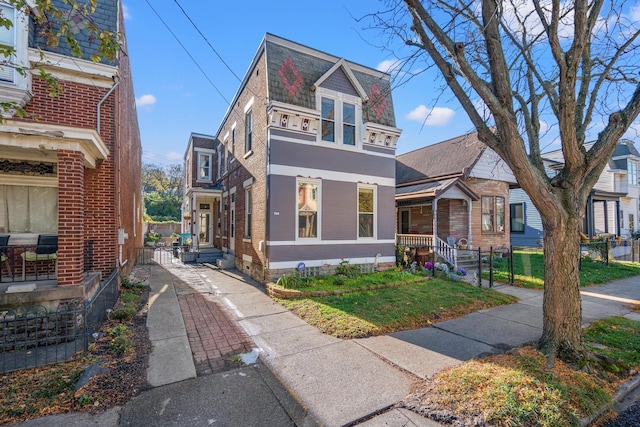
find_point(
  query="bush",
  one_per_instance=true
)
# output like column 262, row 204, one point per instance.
column 127, row 283
column 124, row 313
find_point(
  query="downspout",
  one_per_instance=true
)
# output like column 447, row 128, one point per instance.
column 104, row 98
column 121, row 234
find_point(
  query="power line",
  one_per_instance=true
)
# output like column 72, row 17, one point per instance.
column 206, row 40
column 188, row 53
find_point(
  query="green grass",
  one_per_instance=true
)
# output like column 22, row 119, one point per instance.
column 329, row 283
column 529, row 270
column 407, row 306
column 517, row 389
column 615, row 337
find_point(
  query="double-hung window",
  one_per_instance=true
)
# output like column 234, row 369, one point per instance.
column 492, row 214
column 517, row 217
column 248, row 131
column 308, row 209
column 632, row 172
column 366, row 211
column 7, row 44
column 248, row 201
column 339, row 116
column 204, row 167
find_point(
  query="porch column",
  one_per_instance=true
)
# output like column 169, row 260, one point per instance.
column 435, row 220
column 70, row 218
column 469, row 233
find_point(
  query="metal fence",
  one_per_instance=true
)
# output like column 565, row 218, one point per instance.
column 161, row 255
column 34, row 337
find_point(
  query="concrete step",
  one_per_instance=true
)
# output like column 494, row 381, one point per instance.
column 227, row 262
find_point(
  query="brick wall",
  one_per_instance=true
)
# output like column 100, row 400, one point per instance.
column 483, row 187
column 251, row 166
column 70, row 217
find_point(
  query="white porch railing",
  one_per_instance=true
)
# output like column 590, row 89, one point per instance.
column 439, row 246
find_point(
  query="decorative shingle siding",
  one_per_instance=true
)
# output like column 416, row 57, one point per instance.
column 105, row 18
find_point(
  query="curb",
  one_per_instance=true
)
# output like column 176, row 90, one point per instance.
column 624, row 390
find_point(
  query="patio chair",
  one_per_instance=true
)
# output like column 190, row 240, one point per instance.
column 4, row 242
column 46, row 250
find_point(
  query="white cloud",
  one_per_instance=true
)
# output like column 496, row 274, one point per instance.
column 389, row 66
column 145, row 100
column 125, row 12
column 437, row 116
column 174, row 156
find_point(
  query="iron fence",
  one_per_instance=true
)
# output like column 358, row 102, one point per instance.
column 34, row 337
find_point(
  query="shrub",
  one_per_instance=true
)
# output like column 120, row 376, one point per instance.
column 128, row 283
column 124, row 313
column 346, row 269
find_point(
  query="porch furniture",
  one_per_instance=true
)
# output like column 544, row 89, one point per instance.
column 4, row 242
column 46, row 250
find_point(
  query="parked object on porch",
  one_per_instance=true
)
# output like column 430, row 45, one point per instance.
column 463, row 244
column 4, row 242
column 46, row 250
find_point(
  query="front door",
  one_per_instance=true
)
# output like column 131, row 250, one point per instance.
column 404, row 221
column 232, row 224
column 205, row 225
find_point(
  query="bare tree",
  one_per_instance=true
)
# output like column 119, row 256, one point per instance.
column 514, row 64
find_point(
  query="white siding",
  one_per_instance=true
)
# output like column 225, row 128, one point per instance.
column 491, row 166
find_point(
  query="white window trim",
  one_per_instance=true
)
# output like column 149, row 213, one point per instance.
column 339, row 99
column 630, row 175
column 209, row 178
column 375, row 211
column 319, row 210
column 247, row 207
column 18, row 91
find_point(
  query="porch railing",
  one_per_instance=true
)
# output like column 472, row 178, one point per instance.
column 442, row 248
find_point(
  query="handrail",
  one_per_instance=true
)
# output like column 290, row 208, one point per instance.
column 442, row 248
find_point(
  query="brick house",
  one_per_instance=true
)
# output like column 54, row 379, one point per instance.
column 72, row 168
column 300, row 173
column 453, row 192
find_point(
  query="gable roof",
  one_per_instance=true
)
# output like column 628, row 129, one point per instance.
column 453, row 158
column 625, row 148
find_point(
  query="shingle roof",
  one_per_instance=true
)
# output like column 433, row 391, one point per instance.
column 454, row 157
column 293, row 70
column 105, row 17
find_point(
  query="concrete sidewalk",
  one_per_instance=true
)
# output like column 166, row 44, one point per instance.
column 344, row 381
column 203, row 313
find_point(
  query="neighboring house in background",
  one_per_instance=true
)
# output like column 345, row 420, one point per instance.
column 73, row 168
column 612, row 205
column 453, row 190
column 302, row 168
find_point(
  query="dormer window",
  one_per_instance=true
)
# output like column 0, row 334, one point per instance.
column 340, row 117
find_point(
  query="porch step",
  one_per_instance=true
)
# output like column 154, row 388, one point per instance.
column 210, row 255
column 227, row 262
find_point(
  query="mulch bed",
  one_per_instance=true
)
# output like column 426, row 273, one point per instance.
column 34, row 393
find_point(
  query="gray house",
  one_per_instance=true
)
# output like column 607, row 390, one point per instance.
column 612, row 205
column 301, row 171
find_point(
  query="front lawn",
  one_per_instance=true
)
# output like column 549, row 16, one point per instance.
column 416, row 303
column 529, row 270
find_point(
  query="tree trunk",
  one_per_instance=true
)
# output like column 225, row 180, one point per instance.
column 562, row 306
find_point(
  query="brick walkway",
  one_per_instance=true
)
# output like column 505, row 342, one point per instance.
column 213, row 333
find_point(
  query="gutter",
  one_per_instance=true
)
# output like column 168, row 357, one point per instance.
column 104, row 98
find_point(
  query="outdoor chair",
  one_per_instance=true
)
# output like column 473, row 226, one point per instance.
column 4, row 242
column 46, row 250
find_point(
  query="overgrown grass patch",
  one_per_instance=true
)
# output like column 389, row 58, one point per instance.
column 407, row 306
column 517, row 389
column 529, row 270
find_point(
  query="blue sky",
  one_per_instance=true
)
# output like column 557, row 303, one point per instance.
column 174, row 97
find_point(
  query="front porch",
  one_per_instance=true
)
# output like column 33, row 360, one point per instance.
column 423, row 247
